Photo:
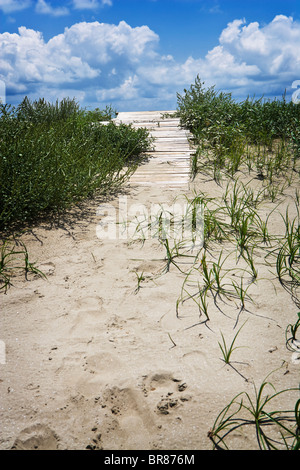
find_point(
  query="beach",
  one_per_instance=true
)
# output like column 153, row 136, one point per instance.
column 104, row 354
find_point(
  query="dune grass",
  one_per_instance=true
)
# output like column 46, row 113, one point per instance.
column 256, row 141
column 14, row 260
column 259, row 139
column 272, row 427
column 49, row 163
column 54, row 155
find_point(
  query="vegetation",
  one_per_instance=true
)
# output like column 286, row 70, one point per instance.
column 274, row 429
column 250, row 150
column 54, row 155
column 216, row 117
column 261, row 139
column 14, row 259
column 228, row 350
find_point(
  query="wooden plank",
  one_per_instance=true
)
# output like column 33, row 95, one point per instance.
column 169, row 162
column 163, row 171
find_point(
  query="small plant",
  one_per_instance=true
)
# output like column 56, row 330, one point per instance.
column 172, row 253
column 288, row 258
column 194, row 165
column 241, row 294
column 244, row 231
column 273, row 429
column 228, row 350
column 249, row 258
column 199, row 296
column 203, row 305
column 14, row 259
column 292, row 342
column 262, row 226
column 140, row 279
column 219, row 286
column 215, row 229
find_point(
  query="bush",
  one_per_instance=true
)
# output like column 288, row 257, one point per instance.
column 262, row 134
column 53, row 155
column 205, row 112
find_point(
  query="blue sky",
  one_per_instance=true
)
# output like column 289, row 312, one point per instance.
column 138, row 54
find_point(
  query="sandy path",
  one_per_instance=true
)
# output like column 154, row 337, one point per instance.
column 91, row 363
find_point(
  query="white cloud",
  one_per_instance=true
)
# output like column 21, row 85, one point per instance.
column 30, row 62
column 273, row 50
column 9, row 6
column 90, row 4
column 263, row 45
column 45, row 8
column 232, row 31
column 120, row 65
column 86, row 55
column 126, row 91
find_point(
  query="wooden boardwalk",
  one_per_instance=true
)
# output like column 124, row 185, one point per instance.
column 169, row 162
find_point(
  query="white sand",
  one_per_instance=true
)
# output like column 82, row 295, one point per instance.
column 90, row 362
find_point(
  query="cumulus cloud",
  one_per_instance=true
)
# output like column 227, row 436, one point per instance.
column 45, row 8
column 120, row 65
column 87, row 55
column 90, row 4
column 273, row 50
column 9, row 6
column 128, row 90
column 249, row 59
column 29, row 62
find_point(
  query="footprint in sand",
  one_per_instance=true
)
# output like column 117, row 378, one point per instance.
column 47, row 268
column 196, row 360
column 149, row 267
column 95, row 443
column 71, row 366
column 36, row 437
column 89, row 372
column 99, row 364
column 116, row 322
column 102, row 364
column 128, row 423
column 167, row 389
column 87, row 315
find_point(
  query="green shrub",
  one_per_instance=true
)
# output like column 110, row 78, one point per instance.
column 54, row 155
column 203, row 110
column 264, row 134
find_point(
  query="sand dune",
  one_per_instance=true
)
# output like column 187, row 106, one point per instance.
column 93, row 362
